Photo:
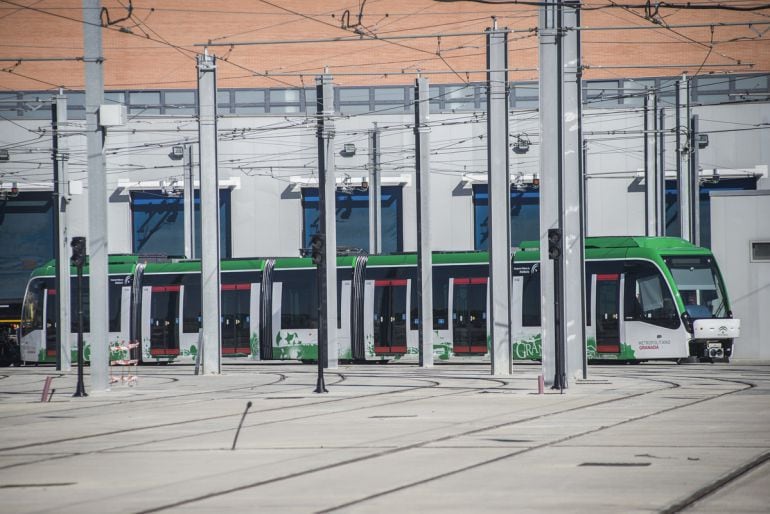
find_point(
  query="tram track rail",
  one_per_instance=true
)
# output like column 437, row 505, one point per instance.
column 403, row 448
column 211, row 418
column 132, row 446
column 282, row 378
column 432, row 384
column 420, row 444
column 525, row 450
column 717, row 485
column 446, row 389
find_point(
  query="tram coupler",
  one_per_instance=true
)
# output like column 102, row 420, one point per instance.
column 711, row 350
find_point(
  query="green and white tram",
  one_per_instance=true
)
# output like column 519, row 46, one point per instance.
column 646, row 298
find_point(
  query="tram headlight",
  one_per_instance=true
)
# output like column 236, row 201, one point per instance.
column 687, row 320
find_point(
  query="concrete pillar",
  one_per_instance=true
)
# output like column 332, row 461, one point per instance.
column 61, row 199
column 571, row 195
column 550, row 166
column 97, row 199
column 499, row 202
column 211, row 288
column 424, row 249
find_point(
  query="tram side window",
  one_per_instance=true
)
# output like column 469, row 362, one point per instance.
column 115, row 292
column 530, row 302
column 191, row 308
column 440, row 298
column 647, row 297
column 299, row 300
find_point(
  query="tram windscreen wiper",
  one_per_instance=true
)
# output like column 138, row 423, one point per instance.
column 718, row 311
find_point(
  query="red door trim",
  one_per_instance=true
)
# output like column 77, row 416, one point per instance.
column 463, row 348
column 166, row 289
column 164, row 351
column 379, row 350
column 236, row 287
column 470, row 281
column 239, row 349
column 385, row 283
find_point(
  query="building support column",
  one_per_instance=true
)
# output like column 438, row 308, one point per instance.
column 328, row 349
column 695, row 180
column 211, row 280
column 683, row 167
column 189, row 202
column 499, row 202
column 662, row 172
column 651, row 175
column 98, row 338
column 62, row 249
column 424, row 249
column 375, row 193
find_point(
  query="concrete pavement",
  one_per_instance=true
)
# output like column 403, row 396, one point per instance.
column 644, row 438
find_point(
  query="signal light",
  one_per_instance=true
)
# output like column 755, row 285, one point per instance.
column 78, row 245
column 554, row 243
column 317, row 246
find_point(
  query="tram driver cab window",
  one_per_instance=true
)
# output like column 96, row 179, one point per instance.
column 647, row 296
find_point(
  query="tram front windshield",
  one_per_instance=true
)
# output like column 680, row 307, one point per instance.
column 32, row 308
column 700, row 286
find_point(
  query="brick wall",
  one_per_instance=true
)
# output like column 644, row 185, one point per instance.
column 135, row 61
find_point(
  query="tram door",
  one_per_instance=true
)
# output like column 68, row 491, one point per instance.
column 236, row 318
column 608, row 288
column 164, row 321
column 469, row 315
column 390, row 316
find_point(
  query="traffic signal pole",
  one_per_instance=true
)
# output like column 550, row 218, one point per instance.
column 78, row 260
column 318, row 253
column 555, row 253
